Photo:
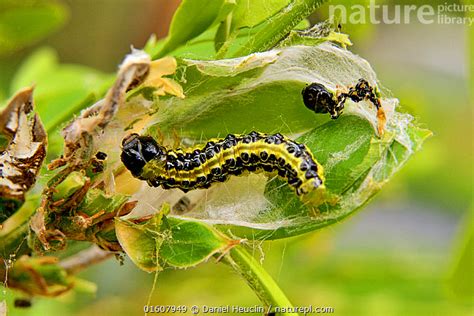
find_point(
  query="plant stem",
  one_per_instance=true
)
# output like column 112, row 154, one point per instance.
column 258, row 279
column 84, row 259
column 14, row 230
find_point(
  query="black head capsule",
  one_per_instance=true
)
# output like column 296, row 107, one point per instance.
column 319, row 99
column 138, row 150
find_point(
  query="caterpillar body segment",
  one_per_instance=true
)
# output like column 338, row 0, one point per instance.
column 219, row 159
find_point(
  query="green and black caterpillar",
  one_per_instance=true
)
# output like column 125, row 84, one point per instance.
column 219, row 159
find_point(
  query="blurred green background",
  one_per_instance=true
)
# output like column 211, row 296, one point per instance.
column 404, row 254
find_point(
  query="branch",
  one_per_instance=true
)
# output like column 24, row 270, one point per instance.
column 84, row 259
column 258, row 279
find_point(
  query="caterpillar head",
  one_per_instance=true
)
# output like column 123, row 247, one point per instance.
column 319, row 99
column 138, row 150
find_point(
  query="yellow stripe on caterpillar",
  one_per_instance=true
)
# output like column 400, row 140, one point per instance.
column 218, row 159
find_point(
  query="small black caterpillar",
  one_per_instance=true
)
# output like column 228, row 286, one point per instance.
column 319, row 99
column 216, row 161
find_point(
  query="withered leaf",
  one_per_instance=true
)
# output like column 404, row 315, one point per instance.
column 22, row 157
column 78, row 135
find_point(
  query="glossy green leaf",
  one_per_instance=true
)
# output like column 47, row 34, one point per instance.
column 319, row 33
column 244, row 14
column 139, row 246
column 204, row 45
column 224, row 30
column 235, row 30
column 252, row 13
column 168, row 242
column 191, row 19
column 190, row 243
column 278, row 27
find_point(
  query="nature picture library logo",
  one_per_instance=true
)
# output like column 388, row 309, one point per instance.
column 447, row 13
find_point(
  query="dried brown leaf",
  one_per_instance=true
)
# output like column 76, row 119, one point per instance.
column 78, row 135
column 22, row 158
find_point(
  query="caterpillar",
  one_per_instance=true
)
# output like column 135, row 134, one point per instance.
column 219, row 159
column 319, row 99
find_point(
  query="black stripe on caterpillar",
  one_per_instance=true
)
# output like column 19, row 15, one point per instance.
column 216, row 161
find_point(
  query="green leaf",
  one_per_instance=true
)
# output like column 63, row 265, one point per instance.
column 23, row 23
column 277, row 27
column 42, row 61
column 234, row 95
column 203, row 46
column 246, row 14
column 190, row 243
column 263, row 92
column 319, row 33
column 139, row 245
column 61, row 90
column 233, row 30
column 223, row 31
column 153, row 45
column 252, row 13
column 191, row 19
column 168, row 242
column 303, row 25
